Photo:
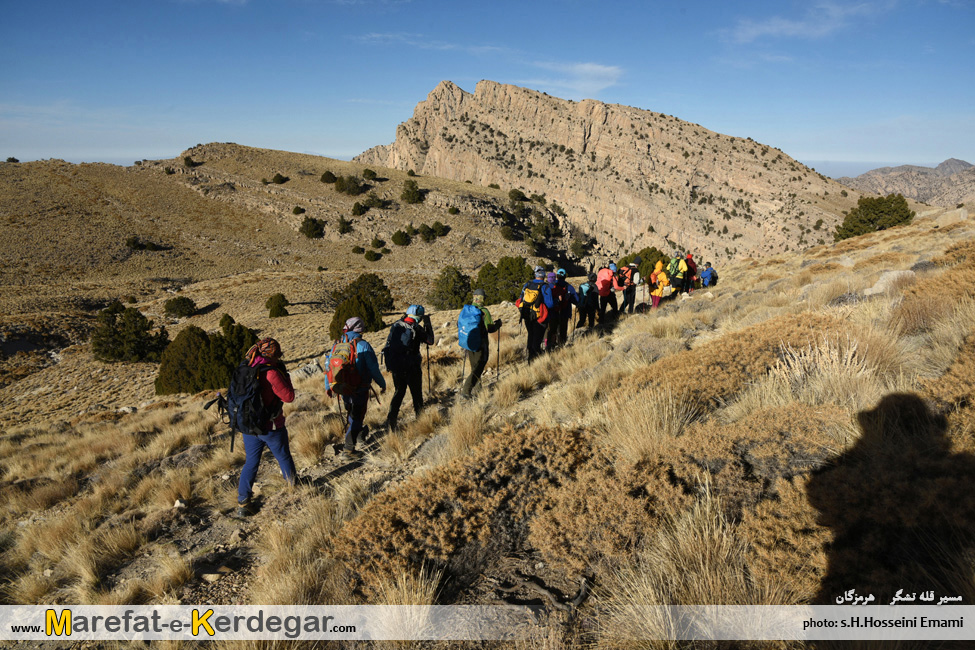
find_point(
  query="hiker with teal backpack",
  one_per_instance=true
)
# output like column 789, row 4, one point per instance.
column 534, row 305
column 259, row 389
column 588, row 301
column 350, row 369
column 473, row 326
column 403, row 359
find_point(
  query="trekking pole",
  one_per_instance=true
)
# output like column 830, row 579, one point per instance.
column 375, row 394
column 429, row 384
column 463, row 365
column 498, row 372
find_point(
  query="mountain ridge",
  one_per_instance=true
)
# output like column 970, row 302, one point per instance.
column 947, row 185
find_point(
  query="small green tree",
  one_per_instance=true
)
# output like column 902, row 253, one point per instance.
column 350, row 185
column 369, row 287
column 377, row 242
column 426, row 233
column 411, row 173
column 298, row 210
column 369, row 174
column 453, row 210
column 400, row 238
column 279, row 179
column 358, row 209
column 197, row 361
column 516, row 196
column 276, row 305
column 312, row 228
column 411, row 192
column 328, row 177
column 451, row 289
column 345, row 226
column 872, row 214
column 355, row 305
column 372, row 256
column 358, row 250
column 124, row 334
column 504, row 281
column 440, row 229
column 179, row 307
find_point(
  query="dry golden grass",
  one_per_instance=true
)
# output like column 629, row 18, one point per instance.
column 637, row 425
column 697, row 558
column 170, row 572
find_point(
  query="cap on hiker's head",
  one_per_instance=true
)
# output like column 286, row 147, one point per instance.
column 479, row 292
column 637, row 261
column 707, row 264
column 560, row 273
column 539, row 272
column 551, row 277
column 354, row 324
column 612, row 267
column 689, row 256
column 269, row 348
column 592, row 277
column 415, row 310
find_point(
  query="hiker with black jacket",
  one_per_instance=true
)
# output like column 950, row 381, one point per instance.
column 588, row 301
column 629, row 277
column 276, row 391
column 404, row 360
column 479, row 357
column 563, row 297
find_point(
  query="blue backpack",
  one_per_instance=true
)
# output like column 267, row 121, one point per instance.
column 469, row 328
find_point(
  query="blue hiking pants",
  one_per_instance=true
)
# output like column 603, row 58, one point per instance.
column 277, row 442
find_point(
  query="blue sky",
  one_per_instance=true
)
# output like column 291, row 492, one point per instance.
column 868, row 83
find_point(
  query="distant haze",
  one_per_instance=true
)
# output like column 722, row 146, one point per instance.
column 839, row 168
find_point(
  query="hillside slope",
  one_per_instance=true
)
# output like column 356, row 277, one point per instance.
column 628, row 177
column 947, row 185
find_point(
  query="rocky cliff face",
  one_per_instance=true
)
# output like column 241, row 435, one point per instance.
column 628, row 177
column 950, row 183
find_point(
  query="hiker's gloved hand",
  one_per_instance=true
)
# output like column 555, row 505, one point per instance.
column 499, row 323
column 329, row 392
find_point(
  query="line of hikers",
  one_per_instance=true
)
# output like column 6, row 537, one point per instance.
column 261, row 384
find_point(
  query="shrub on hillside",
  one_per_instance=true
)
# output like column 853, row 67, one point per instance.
column 377, row 242
column 179, row 307
column 358, row 209
column 369, row 174
column 451, row 289
column 312, row 228
column 356, row 305
column 298, row 210
column 872, row 214
column 124, row 334
column 649, row 256
column 400, row 238
column 372, row 256
column 369, row 286
column 358, row 250
column 440, row 229
column 504, row 281
column 328, row 177
column 373, row 201
column 508, row 233
column 197, row 361
column 426, row 233
column 276, row 305
column 280, row 179
column 411, row 192
column 411, row 173
column 350, row 185
column 345, row 226
column 453, row 210
column 516, row 196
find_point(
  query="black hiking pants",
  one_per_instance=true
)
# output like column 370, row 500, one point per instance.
column 536, row 333
column 611, row 301
column 411, row 378
column 629, row 299
column 587, row 313
column 478, row 361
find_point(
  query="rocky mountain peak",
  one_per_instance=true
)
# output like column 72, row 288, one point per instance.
column 627, row 177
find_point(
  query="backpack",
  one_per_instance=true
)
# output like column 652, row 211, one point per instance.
column 343, row 376
column 590, row 295
column 714, row 279
column 469, row 328
column 532, row 303
column 398, row 346
column 625, row 276
column 245, row 408
column 673, row 268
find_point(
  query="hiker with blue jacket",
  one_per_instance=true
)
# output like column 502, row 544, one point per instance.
column 479, row 357
column 354, row 397
column 404, row 360
column 709, row 277
column 534, row 304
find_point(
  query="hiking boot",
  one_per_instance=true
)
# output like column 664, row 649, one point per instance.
column 243, row 510
column 352, row 454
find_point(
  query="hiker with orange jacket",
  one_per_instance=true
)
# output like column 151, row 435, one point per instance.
column 606, row 285
column 276, row 391
column 355, row 396
column 662, row 285
column 629, row 277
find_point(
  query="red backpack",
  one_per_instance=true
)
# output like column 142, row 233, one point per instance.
column 343, row 377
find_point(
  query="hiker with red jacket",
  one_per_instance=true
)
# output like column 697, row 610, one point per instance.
column 563, row 297
column 606, row 285
column 404, row 361
column 534, row 304
column 276, row 391
column 355, row 396
column 691, row 273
